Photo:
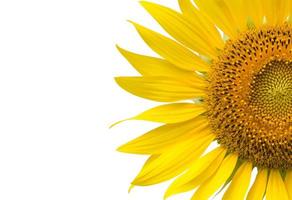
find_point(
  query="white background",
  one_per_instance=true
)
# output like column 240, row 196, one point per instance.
column 58, row 98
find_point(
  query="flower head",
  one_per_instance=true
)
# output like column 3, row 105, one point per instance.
column 227, row 78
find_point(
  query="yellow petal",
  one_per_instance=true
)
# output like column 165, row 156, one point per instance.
column 240, row 15
column 199, row 171
column 163, row 89
column 276, row 188
column 258, row 188
column 290, row 11
column 288, row 183
column 147, row 163
column 173, row 162
column 209, row 187
column 175, row 24
column 171, row 50
column 201, row 24
column 239, row 184
column 220, row 14
column 150, row 66
column 254, row 10
column 162, row 138
column 276, row 11
column 172, row 113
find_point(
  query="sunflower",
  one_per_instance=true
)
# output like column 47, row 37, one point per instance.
column 225, row 74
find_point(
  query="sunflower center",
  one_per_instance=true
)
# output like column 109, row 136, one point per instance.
column 250, row 96
column 271, row 91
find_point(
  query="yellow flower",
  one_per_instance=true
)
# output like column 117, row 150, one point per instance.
column 227, row 76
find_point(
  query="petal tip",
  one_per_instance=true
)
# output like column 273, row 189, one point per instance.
column 144, row 3
column 117, row 123
column 131, row 188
